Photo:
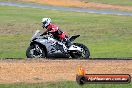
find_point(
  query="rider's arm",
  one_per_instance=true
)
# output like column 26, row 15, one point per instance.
column 44, row 33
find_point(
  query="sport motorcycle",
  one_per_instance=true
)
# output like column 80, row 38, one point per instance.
column 47, row 46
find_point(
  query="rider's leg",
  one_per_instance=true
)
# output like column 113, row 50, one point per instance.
column 65, row 39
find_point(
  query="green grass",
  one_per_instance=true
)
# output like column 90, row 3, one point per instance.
column 64, row 84
column 113, row 2
column 105, row 35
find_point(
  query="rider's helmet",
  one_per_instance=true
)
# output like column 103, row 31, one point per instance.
column 46, row 22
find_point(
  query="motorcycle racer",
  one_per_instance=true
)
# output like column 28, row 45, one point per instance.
column 55, row 31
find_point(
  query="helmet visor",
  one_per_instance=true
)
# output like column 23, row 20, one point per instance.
column 44, row 22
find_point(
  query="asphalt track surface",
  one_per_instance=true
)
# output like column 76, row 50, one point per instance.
column 67, row 9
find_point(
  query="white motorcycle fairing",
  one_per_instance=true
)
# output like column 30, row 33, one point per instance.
column 75, row 48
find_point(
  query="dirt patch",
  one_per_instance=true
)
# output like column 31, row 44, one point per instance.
column 79, row 3
column 35, row 71
column 58, row 2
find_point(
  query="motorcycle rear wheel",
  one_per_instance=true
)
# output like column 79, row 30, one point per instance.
column 84, row 55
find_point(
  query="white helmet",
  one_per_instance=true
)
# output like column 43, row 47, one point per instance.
column 46, row 22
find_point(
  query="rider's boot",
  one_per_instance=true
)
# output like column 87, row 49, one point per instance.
column 68, row 43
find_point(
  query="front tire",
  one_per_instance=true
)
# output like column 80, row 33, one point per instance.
column 85, row 54
column 32, row 52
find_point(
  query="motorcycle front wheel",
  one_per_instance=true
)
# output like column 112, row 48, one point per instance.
column 35, row 51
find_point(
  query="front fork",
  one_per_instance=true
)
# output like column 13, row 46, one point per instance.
column 36, row 47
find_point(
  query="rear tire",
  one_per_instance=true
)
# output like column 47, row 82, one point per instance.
column 86, row 52
column 31, row 52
